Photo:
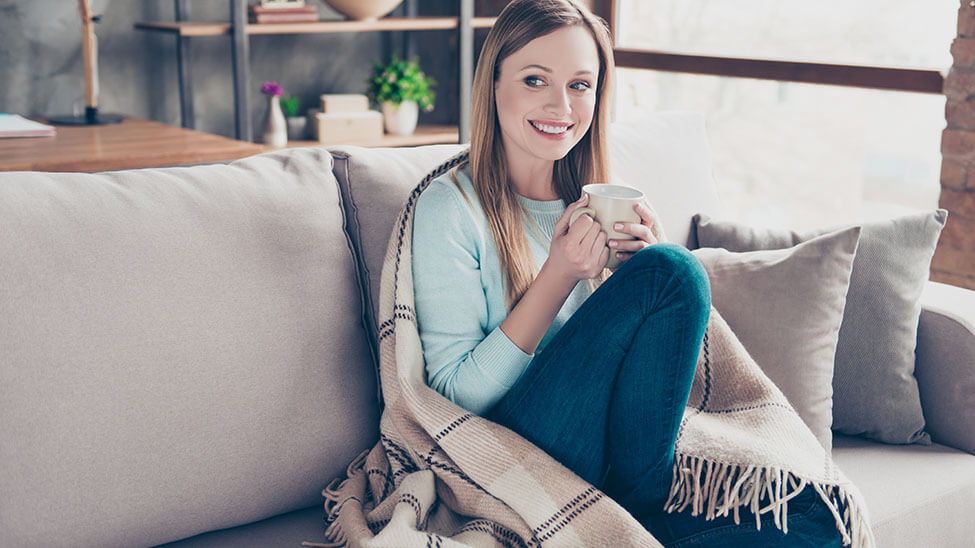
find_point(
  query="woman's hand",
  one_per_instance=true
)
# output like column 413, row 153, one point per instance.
column 647, row 232
column 578, row 251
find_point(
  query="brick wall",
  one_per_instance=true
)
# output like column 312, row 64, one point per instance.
column 954, row 261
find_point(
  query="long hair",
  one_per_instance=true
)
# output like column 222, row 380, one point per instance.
column 519, row 23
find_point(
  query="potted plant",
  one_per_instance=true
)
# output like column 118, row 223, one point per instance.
column 291, row 106
column 275, row 131
column 401, row 89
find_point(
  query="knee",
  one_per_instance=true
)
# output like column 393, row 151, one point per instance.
column 677, row 265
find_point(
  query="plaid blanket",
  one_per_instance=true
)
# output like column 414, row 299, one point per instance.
column 441, row 476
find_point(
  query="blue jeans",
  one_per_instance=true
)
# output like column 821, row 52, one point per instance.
column 606, row 396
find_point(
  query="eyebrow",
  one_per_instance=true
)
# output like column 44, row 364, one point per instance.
column 548, row 70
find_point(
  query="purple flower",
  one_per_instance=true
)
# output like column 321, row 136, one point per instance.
column 271, row 88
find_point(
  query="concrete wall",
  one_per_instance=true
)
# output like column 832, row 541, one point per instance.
column 41, row 65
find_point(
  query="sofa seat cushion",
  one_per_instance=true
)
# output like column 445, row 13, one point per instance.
column 181, row 349
column 289, row 529
column 917, row 495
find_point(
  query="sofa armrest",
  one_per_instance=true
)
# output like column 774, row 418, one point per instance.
column 945, row 364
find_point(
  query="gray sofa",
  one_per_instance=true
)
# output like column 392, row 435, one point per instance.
column 187, row 354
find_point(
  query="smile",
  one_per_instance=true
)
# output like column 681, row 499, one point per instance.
column 551, row 129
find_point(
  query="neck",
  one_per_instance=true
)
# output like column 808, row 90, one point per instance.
column 532, row 178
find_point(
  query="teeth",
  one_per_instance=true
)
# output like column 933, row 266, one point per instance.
column 550, row 129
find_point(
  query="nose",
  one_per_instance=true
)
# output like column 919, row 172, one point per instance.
column 558, row 102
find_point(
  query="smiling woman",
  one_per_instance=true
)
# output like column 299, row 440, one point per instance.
column 503, row 283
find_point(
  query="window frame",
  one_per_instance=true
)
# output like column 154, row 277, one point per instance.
column 858, row 76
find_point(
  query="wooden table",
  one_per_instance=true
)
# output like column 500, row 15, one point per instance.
column 133, row 143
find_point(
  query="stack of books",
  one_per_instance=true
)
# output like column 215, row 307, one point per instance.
column 345, row 118
column 283, row 12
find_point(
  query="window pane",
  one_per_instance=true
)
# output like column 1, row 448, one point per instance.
column 801, row 155
column 897, row 33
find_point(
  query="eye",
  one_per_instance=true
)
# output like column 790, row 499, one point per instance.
column 533, row 81
column 581, row 86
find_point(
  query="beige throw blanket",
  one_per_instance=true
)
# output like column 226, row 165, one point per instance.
column 443, row 477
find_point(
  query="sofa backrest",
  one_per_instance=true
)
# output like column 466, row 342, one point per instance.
column 180, row 349
column 665, row 154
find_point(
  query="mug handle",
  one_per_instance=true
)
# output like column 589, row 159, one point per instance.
column 580, row 212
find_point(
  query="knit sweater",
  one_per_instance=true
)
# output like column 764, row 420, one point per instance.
column 460, row 292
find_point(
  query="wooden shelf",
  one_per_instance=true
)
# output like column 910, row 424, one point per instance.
column 197, row 28
column 424, row 135
column 239, row 30
column 483, row 22
column 185, row 28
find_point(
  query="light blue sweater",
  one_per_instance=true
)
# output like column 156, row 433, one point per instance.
column 460, row 297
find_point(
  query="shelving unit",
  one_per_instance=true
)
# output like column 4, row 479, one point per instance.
column 240, row 30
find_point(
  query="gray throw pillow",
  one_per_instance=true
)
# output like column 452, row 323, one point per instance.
column 875, row 393
column 786, row 307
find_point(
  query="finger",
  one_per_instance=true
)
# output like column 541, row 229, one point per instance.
column 623, row 256
column 599, row 244
column 637, row 230
column 649, row 217
column 562, row 225
column 647, row 214
column 631, row 246
column 588, row 241
column 580, row 228
column 603, row 257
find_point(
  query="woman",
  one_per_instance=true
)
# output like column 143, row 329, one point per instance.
column 510, row 326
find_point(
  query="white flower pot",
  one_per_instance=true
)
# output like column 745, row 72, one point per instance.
column 400, row 119
column 297, row 128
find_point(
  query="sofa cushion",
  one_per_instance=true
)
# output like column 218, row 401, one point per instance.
column 289, row 529
column 786, row 307
column 665, row 154
column 375, row 183
column 917, row 495
column 874, row 390
column 182, row 349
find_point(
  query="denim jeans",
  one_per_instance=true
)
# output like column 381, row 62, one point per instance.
column 606, row 396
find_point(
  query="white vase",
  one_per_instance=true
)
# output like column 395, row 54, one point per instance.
column 400, row 119
column 275, row 128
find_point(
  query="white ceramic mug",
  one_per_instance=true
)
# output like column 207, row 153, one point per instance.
column 610, row 204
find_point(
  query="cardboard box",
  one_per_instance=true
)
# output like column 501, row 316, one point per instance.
column 344, row 102
column 348, row 127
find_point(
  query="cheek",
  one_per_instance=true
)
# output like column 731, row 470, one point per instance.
column 512, row 107
column 585, row 107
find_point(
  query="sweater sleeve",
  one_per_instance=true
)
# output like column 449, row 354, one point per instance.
column 469, row 364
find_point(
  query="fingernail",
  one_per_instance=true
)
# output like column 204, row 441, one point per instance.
column 613, row 243
column 618, row 226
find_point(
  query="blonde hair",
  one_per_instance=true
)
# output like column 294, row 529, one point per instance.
column 519, row 23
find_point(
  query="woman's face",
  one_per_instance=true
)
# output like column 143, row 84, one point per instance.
column 546, row 93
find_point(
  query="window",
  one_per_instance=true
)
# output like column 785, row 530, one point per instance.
column 803, row 155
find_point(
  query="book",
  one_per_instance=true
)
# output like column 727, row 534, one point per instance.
column 344, row 102
column 262, row 18
column 308, row 8
column 15, row 125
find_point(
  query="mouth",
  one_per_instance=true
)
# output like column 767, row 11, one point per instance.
column 551, row 130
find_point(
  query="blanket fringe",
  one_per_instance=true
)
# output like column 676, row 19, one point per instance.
column 717, row 489
column 335, row 497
